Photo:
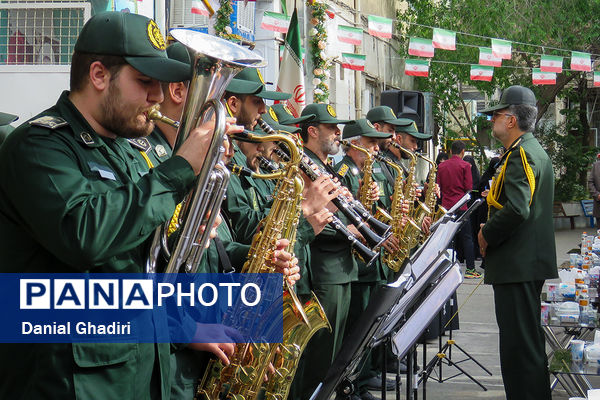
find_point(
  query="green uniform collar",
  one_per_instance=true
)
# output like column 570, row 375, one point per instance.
column 81, row 129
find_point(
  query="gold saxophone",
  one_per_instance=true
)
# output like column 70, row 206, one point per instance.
column 367, row 179
column 409, row 233
column 243, row 378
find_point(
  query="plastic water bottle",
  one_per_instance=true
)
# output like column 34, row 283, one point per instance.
column 584, row 306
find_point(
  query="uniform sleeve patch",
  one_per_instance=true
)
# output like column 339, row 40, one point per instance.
column 49, row 122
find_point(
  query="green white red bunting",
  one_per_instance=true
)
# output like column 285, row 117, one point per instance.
column 380, row 27
column 349, row 34
column 199, row 8
column 416, row 67
column 291, row 71
column 421, row 47
column 501, row 49
column 444, row 39
column 353, row 61
column 275, row 22
column 596, row 78
column 551, row 64
column 486, row 57
column 581, row 61
column 482, row 73
column 543, row 78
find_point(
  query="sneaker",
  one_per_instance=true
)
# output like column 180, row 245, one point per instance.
column 472, row 274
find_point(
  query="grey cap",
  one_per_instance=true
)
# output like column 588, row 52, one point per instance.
column 514, row 95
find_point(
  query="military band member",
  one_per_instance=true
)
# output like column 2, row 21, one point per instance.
column 5, row 125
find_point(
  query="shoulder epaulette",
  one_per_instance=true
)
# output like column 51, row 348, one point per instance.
column 49, row 122
column 141, row 144
column 343, row 170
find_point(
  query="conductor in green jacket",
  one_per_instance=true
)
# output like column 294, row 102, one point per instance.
column 518, row 244
column 72, row 200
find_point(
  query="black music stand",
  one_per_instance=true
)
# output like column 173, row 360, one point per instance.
column 389, row 305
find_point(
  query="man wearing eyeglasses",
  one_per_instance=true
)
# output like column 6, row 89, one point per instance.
column 517, row 242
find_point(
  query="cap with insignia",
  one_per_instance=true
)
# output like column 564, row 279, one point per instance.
column 177, row 51
column 513, row 96
column 363, row 127
column 134, row 37
column 324, row 114
column 250, row 81
column 276, row 125
column 6, row 118
column 386, row 114
column 413, row 131
column 285, row 117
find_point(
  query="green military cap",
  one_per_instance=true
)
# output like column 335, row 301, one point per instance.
column 413, row 131
column 177, row 51
column 363, row 127
column 273, row 123
column 514, row 95
column 134, row 37
column 323, row 114
column 386, row 114
column 282, row 114
column 250, row 81
column 6, row 118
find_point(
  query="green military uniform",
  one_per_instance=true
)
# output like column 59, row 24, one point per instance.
column 74, row 201
column 5, row 127
column 369, row 278
column 521, row 255
column 332, row 267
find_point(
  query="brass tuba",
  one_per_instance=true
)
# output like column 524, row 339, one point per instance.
column 214, row 63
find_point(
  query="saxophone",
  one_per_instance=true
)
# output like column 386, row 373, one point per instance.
column 363, row 193
column 409, row 233
column 243, row 379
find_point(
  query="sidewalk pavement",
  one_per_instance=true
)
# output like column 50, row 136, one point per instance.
column 478, row 335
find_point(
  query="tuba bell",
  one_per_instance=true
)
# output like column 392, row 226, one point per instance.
column 214, row 63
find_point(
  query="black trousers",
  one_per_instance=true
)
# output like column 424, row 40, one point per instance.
column 523, row 358
column 464, row 241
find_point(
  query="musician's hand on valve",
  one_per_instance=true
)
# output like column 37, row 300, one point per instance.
column 222, row 350
column 285, row 262
column 194, row 149
column 374, row 191
column 319, row 219
column 418, row 190
column 318, row 194
column 213, row 230
column 426, row 224
column 392, row 244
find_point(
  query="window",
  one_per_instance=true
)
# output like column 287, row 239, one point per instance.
column 34, row 33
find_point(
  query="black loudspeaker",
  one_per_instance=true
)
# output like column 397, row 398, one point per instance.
column 406, row 104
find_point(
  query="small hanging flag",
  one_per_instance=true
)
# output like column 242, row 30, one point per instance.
column 551, row 64
column 580, row 61
column 543, row 78
column 486, row 57
column 482, row 73
column 501, row 48
column 416, row 67
column 444, row 39
column 596, row 78
column 380, row 27
column 199, row 8
column 421, row 47
column 275, row 22
column 349, row 34
column 353, row 61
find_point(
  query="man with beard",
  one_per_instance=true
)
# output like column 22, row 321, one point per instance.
column 517, row 242
column 74, row 198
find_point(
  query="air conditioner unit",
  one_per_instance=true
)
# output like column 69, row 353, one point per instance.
column 182, row 17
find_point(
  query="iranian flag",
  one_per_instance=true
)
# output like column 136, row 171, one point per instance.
column 580, row 61
column 482, row 73
column 416, row 67
column 444, row 39
column 421, row 47
column 380, row 27
column 291, row 71
column 349, row 34
column 501, row 48
column 543, row 78
column 353, row 61
column 275, row 22
column 596, row 79
column 199, row 8
column 486, row 57
column 551, row 64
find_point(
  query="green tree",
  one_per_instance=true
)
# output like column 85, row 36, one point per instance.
column 557, row 24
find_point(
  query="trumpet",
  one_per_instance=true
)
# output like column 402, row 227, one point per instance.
column 214, row 63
